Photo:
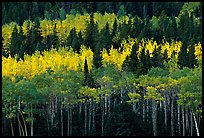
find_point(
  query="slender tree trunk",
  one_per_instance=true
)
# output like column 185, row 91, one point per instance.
column 165, row 115
column 31, row 126
column 154, row 117
column 102, row 122
column 172, row 116
column 187, row 122
column 147, row 107
column 61, row 114
column 85, row 133
column 68, row 122
column 121, row 95
column 89, row 124
column 179, row 122
column 12, row 131
column 105, row 105
column 183, row 120
column 109, row 104
column 93, row 127
column 196, row 125
column 191, row 117
column 26, row 132
column 143, row 111
column 19, row 125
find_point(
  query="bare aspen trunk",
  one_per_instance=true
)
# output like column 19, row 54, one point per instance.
column 93, row 124
column 196, row 125
column 106, row 105
column 61, row 114
column 179, row 122
column 55, row 104
column 19, row 125
column 12, row 131
column 52, row 114
column 187, row 122
column 147, row 107
column 154, row 117
column 165, row 114
column 191, row 117
column 183, row 120
column 26, row 133
column 172, row 117
column 109, row 104
column 89, row 124
column 85, row 110
column 102, row 122
column 70, row 112
column 31, row 126
column 68, row 122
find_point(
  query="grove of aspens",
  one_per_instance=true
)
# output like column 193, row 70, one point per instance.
column 101, row 68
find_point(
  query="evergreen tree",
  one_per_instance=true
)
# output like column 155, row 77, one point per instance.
column 155, row 57
column 114, row 31
column 62, row 14
column 148, row 61
column 133, row 62
column 71, row 36
column 88, row 79
column 142, row 63
column 16, row 42
column 192, row 61
column 55, row 39
column 105, row 38
column 183, row 56
column 91, row 28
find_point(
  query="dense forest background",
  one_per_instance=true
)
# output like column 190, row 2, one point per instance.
column 102, row 68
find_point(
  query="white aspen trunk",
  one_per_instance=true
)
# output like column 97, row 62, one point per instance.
column 12, row 131
column 179, row 122
column 109, row 104
column 105, row 105
column 61, row 114
column 31, row 126
column 68, row 122
column 89, row 124
column 19, row 124
column 26, row 133
column 147, row 107
column 154, row 117
column 53, row 109
column 93, row 127
column 196, row 125
column 172, row 117
column 187, row 124
column 165, row 114
column 70, row 112
column 134, row 107
column 52, row 115
column 121, row 95
column 55, row 104
column 85, row 131
column 102, row 122
column 183, row 121
column 191, row 117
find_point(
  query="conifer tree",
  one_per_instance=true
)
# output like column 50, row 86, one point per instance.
column 16, row 41
column 183, row 56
